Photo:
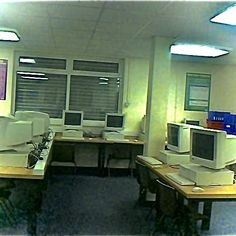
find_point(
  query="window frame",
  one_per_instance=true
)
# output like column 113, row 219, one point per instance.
column 69, row 72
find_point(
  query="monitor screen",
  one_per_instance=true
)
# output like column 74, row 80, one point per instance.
column 203, row 146
column 193, row 122
column 212, row 148
column 72, row 119
column 173, row 134
column 114, row 121
column 178, row 137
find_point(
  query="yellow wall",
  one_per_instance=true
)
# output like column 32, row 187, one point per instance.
column 223, row 95
column 5, row 105
column 223, row 84
column 135, row 93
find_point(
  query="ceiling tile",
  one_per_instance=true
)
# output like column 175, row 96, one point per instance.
column 24, row 9
column 72, row 24
column 68, row 11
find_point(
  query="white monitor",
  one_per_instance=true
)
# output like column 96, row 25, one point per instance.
column 72, row 120
column 212, row 148
column 14, row 133
column 40, row 120
column 114, row 122
column 178, row 137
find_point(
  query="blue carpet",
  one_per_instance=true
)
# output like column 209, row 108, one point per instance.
column 90, row 205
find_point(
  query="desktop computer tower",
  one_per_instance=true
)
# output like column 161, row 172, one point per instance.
column 73, row 133
column 206, row 176
column 112, row 135
column 173, row 158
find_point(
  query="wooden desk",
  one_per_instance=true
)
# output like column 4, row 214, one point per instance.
column 102, row 145
column 35, row 182
column 133, row 141
column 38, row 172
column 209, row 195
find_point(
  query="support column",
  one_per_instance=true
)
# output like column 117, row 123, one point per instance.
column 157, row 96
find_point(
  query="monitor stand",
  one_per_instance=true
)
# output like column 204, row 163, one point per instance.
column 173, row 158
column 206, row 176
column 113, row 135
column 73, row 133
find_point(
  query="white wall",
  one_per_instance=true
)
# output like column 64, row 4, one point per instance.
column 5, row 105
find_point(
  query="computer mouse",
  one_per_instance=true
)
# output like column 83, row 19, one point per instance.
column 197, row 190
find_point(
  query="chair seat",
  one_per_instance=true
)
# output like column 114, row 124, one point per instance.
column 59, row 163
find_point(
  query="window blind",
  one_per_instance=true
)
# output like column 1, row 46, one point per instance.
column 45, row 95
column 94, row 95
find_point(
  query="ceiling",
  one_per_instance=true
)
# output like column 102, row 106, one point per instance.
column 114, row 29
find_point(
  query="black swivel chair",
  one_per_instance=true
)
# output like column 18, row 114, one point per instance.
column 173, row 217
column 63, row 155
column 119, row 155
column 5, row 203
column 146, row 181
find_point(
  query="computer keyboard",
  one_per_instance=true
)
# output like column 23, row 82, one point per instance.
column 151, row 160
column 179, row 179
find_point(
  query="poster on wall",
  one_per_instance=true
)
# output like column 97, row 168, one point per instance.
column 197, row 93
column 3, row 79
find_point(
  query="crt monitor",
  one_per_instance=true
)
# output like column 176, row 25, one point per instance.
column 212, row 148
column 40, row 120
column 14, row 134
column 114, row 122
column 178, row 137
column 72, row 119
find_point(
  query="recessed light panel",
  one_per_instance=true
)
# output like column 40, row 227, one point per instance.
column 197, row 50
column 27, row 60
column 228, row 16
column 8, row 36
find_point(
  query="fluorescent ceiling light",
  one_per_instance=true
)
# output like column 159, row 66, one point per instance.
column 197, row 50
column 27, row 60
column 36, row 78
column 228, row 16
column 29, row 73
column 8, row 36
column 103, row 83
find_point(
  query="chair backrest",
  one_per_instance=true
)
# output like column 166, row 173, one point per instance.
column 64, row 153
column 167, row 199
column 145, row 177
column 142, row 174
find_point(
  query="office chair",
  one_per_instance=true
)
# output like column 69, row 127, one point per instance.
column 119, row 154
column 173, row 217
column 63, row 155
column 146, row 181
column 6, row 205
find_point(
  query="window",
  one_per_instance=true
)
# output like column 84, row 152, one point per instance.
column 96, row 66
column 41, row 62
column 94, row 87
column 38, row 94
column 94, row 95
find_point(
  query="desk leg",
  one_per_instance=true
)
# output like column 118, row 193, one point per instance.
column 206, row 212
column 193, row 206
column 101, row 159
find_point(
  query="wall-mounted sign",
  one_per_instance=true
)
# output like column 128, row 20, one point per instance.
column 3, row 79
column 197, row 93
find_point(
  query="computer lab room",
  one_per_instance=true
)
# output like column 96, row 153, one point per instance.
column 117, row 118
